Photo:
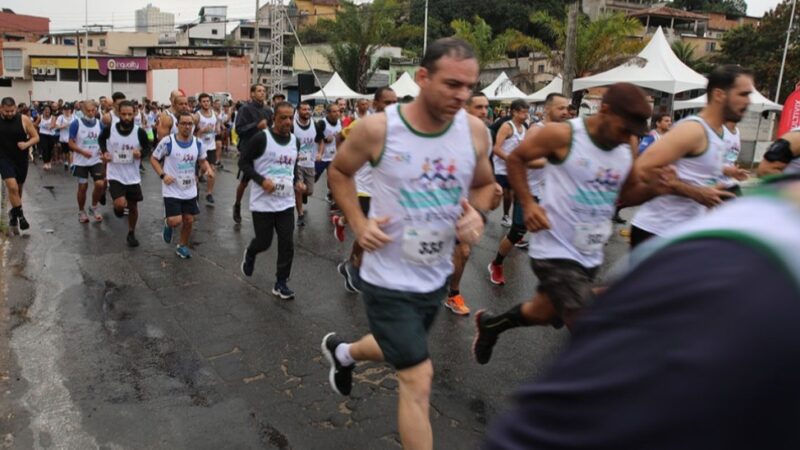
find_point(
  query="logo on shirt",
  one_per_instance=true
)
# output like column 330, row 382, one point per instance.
column 604, row 188
column 436, row 187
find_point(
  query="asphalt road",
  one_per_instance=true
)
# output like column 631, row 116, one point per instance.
column 102, row 346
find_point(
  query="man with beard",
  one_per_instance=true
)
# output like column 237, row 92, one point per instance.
column 251, row 118
column 696, row 148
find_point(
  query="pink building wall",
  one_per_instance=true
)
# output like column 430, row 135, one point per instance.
column 216, row 79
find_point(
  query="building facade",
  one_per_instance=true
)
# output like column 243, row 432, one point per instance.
column 208, row 29
column 20, row 27
column 596, row 8
column 308, row 12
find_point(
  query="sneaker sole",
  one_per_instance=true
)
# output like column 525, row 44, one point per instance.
column 244, row 255
column 284, row 297
column 332, row 371
column 455, row 311
column 348, row 283
column 492, row 279
column 182, row 256
column 477, row 335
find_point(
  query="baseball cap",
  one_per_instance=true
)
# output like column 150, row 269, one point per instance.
column 629, row 102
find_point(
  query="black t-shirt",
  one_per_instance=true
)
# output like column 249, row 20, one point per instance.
column 11, row 133
column 320, row 127
column 698, row 348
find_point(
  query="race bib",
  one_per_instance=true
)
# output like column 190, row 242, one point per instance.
column 426, row 247
column 284, row 187
column 122, row 156
column 591, row 237
column 185, row 181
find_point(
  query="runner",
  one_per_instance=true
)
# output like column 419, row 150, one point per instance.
column 63, row 123
column 86, row 162
column 327, row 129
column 250, row 119
column 427, row 149
column 783, row 156
column 47, row 136
column 732, row 174
column 590, row 164
column 207, row 130
column 663, row 124
column 181, row 154
column 509, row 135
column 219, row 138
column 17, row 135
column 477, row 106
column 112, row 116
column 274, row 176
column 306, row 133
column 123, row 145
column 167, row 124
column 696, row 147
column 555, row 111
column 384, row 97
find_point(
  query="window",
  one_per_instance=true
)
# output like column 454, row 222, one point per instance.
column 102, row 42
column 263, row 33
column 711, row 46
column 12, row 60
column 68, row 74
column 214, row 31
column 119, row 76
column 540, row 69
column 137, row 76
column 95, row 76
column 91, row 42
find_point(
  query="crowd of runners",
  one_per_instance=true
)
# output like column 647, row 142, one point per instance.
column 414, row 182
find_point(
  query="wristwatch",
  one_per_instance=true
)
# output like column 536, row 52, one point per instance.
column 162, row 175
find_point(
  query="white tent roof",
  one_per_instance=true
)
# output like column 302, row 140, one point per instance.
column 503, row 89
column 541, row 95
column 405, row 86
column 656, row 67
column 758, row 103
column 334, row 88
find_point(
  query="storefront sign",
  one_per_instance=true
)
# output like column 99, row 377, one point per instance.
column 106, row 64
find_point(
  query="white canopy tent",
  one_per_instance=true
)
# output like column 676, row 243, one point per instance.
column 655, row 67
column 405, row 86
column 333, row 89
column 554, row 86
column 503, row 89
column 758, row 103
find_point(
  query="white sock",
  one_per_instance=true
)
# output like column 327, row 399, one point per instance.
column 343, row 355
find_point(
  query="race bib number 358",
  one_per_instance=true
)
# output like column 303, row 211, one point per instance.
column 425, row 246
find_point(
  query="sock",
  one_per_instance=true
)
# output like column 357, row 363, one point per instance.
column 343, row 355
column 119, row 212
column 130, row 232
column 453, row 292
column 498, row 260
column 509, row 319
column 16, row 211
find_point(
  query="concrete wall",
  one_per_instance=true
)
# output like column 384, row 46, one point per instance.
column 160, row 83
column 18, row 90
column 68, row 90
column 216, row 79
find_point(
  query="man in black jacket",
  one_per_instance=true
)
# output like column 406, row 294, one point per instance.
column 251, row 118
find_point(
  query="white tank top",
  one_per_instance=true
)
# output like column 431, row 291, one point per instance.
column 508, row 146
column 306, row 136
column 207, row 138
column 123, row 167
column 87, row 140
column 364, row 181
column 536, row 176
column 46, row 126
column 175, row 124
column 277, row 164
column 137, row 119
column 794, row 164
column 580, row 200
column 330, row 130
column 665, row 212
column 733, row 146
column 61, row 122
column 114, row 117
column 419, row 181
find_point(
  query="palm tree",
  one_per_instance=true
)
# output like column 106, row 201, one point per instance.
column 685, row 52
column 491, row 48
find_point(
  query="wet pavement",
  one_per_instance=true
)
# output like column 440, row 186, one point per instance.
column 102, row 346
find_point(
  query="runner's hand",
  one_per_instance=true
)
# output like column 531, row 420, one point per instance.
column 318, row 158
column 371, row 237
column 469, row 227
column 168, row 180
column 107, row 157
column 712, row 196
column 22, row 145
column 536, row 218
column 737, row 173
column 137, row 154
column 268, row 185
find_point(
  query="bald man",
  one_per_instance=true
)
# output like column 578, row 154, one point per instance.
column 166, row 123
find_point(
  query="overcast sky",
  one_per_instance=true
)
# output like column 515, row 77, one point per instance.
column 70, row 14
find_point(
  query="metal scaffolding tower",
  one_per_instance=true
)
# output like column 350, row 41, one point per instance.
column 277, row 25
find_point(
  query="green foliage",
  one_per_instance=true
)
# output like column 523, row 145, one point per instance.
column 733, row 7
column 685, row 52
column 491, row 48
column 761, row 49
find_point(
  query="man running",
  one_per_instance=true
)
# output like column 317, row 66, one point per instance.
column 167, row 123
column 112, row 116
column 181, row 154
column 509, row 135
column 86, row 162
column 123, row 145
column 555, row 111
column 251, row 118
column 63, row 123
column 270, row 162
column 663, row 124
column 428, row 156
column 384, row 97
column 207, row 130
column 220, row 137
column 306, row 135
column 732, row 174
column 327, row 129
column 589, row 165
column 696, row 149
column 477, row 106
column 17, row 135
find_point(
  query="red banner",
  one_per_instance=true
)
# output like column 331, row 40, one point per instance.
column 790, row 117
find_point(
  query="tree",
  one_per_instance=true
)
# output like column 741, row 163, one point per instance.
column 685, row 52
column 760, row 49
column 491, row 48
column 517, row 42
column 733, row 7
column 358, row 32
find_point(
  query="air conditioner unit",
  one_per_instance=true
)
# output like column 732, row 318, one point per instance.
column 50, row 71
column 35, row 71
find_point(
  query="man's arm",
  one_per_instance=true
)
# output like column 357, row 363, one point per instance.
column 102, row 141
column 481, row 191
column 780, row 154
column 502, row 134
column 252, row 150
column 164, row 126
column 144, row 144
column 31, row 131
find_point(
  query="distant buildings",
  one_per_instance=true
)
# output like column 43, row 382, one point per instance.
column 19, row 27
column 151, row 19
column 308, row 12
column 207, row 29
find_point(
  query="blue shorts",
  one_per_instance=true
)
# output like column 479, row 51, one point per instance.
column 178, row 207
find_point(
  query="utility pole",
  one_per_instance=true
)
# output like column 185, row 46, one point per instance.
column 425, row 35
column 86, row 41
column 255, row 44
column 570, row 49
column 785, row 49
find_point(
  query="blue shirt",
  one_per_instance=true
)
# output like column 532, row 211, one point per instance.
column 73, row 129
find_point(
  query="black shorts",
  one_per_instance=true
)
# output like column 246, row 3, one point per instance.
column 211, row 157
column 14, row 169
column 364, row 203
column 132, row 192
column 638, row 236
column 97, row 171
column 567, row 283
column 502, row 180
column 242, row 177
column 400, row 321
column 178, row 207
